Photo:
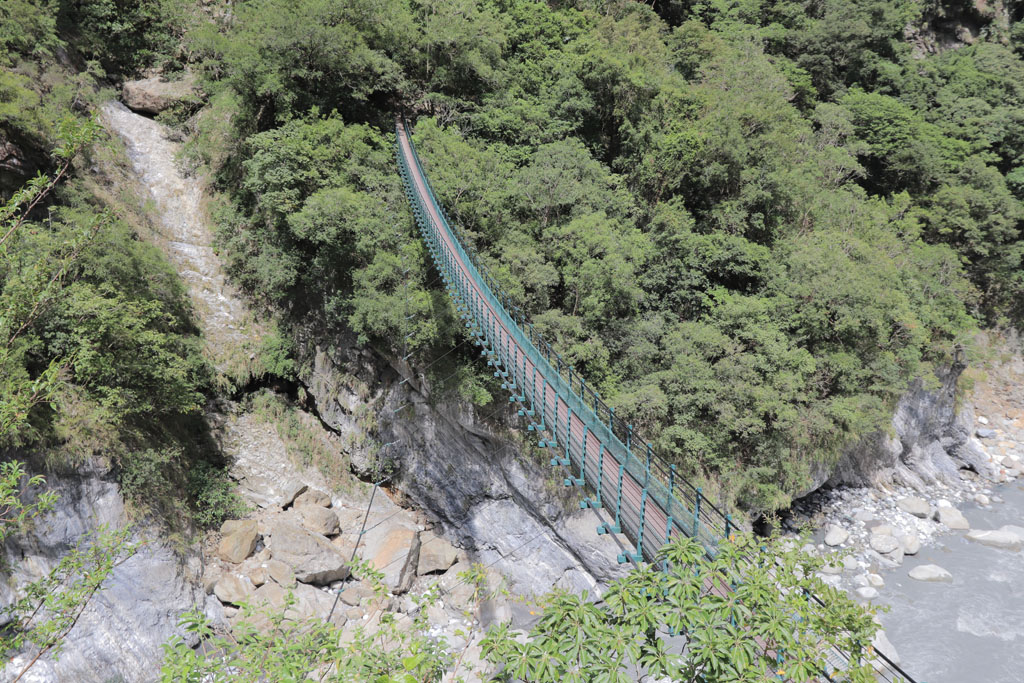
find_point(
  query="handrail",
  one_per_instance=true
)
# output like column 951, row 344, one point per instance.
column 673, row 493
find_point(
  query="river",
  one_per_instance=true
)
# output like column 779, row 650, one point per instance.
column 972, row 629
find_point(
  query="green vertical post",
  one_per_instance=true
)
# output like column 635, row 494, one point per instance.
column 696, row 513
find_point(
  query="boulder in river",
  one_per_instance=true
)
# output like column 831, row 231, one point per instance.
column 867, row 593
column 883, row 543
column 952, row 518
column 911, row 544
column 930, row 572
column 836, row 535
column 996, row 538
column 153, row 95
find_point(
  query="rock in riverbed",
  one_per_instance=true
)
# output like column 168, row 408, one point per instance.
column 836, row 535
column 995, row 538
column 952, row 518
column 930, row 572
column 915, row 506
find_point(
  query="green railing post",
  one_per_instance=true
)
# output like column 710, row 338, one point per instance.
column 696, row 513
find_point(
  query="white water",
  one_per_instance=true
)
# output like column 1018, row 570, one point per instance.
column 970, row 630
column 182, row 230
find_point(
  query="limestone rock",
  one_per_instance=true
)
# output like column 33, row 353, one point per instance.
column 153, row 95
column 280, row 572
column 836, row 535
column 875, row 580
column 952, row 518
column 233, row 589
column 319, row 520
column 982, row 499
column 311, row 556
column 291, row 490
column 930, row 572
column 238, row 540
column 883, row 543
column 394, row 552
column 867, row 593
column 313, row 497
column 995, row 538
column 915, row 506
column 311, row 605
column 882, row 530
column 881, row 644
column 911, row 544
column 1013, row 529
column 354, row 594
column 258, row 576
column 436, row 554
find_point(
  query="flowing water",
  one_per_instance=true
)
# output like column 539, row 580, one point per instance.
column 182, row 230
column 972, row 629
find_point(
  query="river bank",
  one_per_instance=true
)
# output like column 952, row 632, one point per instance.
column 943, row 558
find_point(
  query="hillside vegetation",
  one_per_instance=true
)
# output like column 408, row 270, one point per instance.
column 748, row 224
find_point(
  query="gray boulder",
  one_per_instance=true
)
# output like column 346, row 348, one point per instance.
column 995, row 538
column 915, row 506
column 313, row 497
column 311, row 556
column 836, row 535
column 233, row 589
column 318, row 519
column 436, row 554
column 238, row 539
column 310, row 607
column 911, row 544
column 952, row 518
column 867, row 593
column 883, row 543
column 153, row 95
column 1013, row 529
column 395, row 552
column 930, row 572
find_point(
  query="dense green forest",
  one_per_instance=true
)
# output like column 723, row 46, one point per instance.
column 99, row 355
column 750, row 224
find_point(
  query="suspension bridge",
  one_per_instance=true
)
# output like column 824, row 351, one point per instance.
column 600, row 453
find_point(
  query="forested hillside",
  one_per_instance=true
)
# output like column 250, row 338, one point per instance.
column 749, row 224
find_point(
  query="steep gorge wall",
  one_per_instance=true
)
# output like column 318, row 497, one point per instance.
column 119, row 634
column 933, row 434
column 502, row 505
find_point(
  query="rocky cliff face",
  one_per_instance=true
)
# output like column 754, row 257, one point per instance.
column 118, row 636
column 492, row 499
column 934, row 434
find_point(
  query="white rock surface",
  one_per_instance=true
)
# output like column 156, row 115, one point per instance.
column 836, row 535
column 911, row 544
column 930, row 572
column 995, row 538
column 915, row 506
column 883, row 543
column 952, row 518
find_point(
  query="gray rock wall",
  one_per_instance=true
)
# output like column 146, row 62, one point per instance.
column 501, row 505
column 118, row 636
column 929, row 439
